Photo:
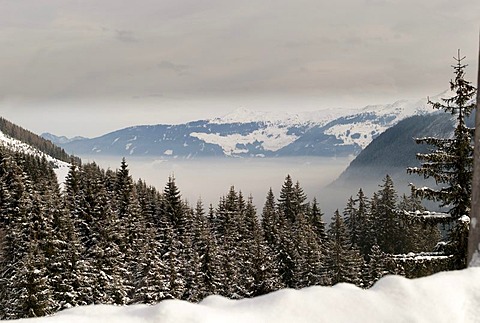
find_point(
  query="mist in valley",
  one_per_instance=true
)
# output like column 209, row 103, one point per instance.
column 209, row 179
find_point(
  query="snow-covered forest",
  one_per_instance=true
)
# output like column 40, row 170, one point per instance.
column 106, row 238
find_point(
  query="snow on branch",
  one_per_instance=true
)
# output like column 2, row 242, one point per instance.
column 428, row 217
column 421, row 256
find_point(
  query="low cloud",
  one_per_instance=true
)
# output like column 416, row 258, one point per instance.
column 126, row 36
column 177, row 68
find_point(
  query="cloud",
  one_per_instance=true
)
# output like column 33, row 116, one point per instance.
column 112, row 49
column 126, row 36
column 179, row 69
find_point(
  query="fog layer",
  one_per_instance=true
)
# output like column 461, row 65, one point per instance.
column 209, row 179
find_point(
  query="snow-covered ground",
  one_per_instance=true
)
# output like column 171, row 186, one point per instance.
column 444, row 297
column 61, row 168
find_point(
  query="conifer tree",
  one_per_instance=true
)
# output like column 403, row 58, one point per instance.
column 352, row 222
column 309, row 262
column 367, row 229
column 30, row 294
column 451, row 161
column 287, row 204
column 390, row 233
column 229, row 235
column 270, row 218
column 318, row 225
column 376, row 267
column 172, row 204
column 211, row 262
column 132, row 226
column 151, row 283
column 344, row 263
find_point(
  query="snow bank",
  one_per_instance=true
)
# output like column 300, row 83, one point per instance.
column 444, row 297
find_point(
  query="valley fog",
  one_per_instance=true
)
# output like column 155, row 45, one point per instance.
column 210, row 178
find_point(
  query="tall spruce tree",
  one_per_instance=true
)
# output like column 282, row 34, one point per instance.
column 450, row 162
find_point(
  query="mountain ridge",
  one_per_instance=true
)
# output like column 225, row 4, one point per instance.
column 247, row 133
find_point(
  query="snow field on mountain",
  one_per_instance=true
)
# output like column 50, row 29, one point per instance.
column 275, row 134
column 271, row 138
column 362, row 133
column 444, row 297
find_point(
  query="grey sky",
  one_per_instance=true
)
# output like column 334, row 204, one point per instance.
column 88, row 67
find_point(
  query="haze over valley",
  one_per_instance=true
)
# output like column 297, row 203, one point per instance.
column 251, row 150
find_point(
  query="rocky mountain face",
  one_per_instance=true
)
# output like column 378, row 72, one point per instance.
column 244, row 133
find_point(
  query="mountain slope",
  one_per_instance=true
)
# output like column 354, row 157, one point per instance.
column 36, row 142
column 245, row 133
column 395, row 150
column 19, row 140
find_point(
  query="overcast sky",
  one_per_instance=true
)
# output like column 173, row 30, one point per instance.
column 90, row 67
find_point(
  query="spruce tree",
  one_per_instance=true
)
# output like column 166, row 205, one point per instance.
column 316, row 220
column 270, row 218
column 450, row 163
column 376, row 267
column 352, row 222
column 365, row 219
column 287, row 202
column 388, row 223
column 151, row 283
column 344, row 263
column 132, row 225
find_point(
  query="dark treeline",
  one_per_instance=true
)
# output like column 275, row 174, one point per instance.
column 107, row 239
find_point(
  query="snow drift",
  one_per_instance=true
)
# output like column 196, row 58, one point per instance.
column 444, row 297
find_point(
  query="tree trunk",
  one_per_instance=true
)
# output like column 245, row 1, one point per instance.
column 474, row 235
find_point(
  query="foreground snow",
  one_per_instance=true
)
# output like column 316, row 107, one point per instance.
column 444, row 297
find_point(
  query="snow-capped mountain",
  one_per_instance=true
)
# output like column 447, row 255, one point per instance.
column 246, row 133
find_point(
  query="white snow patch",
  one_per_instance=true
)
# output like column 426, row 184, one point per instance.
column 365, row 131
column 127, row 146
column 448, row 297
column 465, row 219
column 168, row 152
column 270, row 138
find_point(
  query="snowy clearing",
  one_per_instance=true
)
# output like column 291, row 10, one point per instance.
column 444, row 297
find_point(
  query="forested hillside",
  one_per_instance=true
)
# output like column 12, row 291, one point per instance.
column 28, row 137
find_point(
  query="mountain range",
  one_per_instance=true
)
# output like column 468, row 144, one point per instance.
column 245, row 133
column 390, row 152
